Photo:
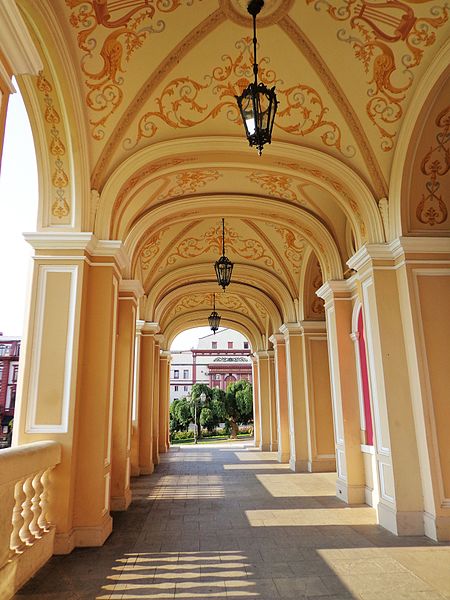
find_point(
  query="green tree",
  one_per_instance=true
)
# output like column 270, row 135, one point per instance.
column 239, row 404
column 208, row 419
column 182, row 412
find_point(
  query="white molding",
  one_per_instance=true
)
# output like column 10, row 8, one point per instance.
column 416, row 273
column 420, row 245
column 277, row 338
column 69, row 240
column 6, row 77
column 332, row 287
column 16, row 42
column 63, row 427
column 367, row 449
column 150, row 328
column 288, row 329
column 314, row 327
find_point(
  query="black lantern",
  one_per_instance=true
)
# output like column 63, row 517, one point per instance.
column 214, row 317
column 257, row 103
column 223, row 266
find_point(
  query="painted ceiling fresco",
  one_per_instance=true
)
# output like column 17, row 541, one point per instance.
column 157, row 79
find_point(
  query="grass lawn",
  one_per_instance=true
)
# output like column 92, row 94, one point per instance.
column 216, row 438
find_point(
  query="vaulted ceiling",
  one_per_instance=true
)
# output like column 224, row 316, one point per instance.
column 146, row 88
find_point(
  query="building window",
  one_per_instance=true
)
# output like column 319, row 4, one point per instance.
column 217, row 376
column 214, row 345
column 245, row 345
column 185, row 374
column 15, row 372
column 3, row 350
column 186, row 389
column 176, row 374
column 230, row 345
column 176, row 388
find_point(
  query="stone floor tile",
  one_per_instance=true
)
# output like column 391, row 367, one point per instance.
column 230, row 522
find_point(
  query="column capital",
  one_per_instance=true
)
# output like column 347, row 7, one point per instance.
column 159, row 338
column 131, row 287
column 331, row 290
column 150, row 328
column 165, row 355
column 276, row 339
column 291, row 329
column 139, row 325
column 314, row 326
column 424, row 248
column 76, row 241
column 261, row 355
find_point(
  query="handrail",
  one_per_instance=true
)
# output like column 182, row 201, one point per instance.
column 24, row 492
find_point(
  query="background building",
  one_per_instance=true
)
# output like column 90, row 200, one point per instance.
column 9, row 368
column 217, row 361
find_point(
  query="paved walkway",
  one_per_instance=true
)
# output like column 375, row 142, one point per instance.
column 226, row 521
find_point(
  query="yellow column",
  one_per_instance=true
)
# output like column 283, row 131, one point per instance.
column 67, row 376
column 281, row 397
column 129, row 293
column 256, row 404
column 262, row 359
column 401, row 506
column 135, row 469
column 423, row 272
column 298, row 430
column 273, row 403
column 321, row 450
column 164, row 400
column 159, row 339
column 350, row 484
column 146, row 390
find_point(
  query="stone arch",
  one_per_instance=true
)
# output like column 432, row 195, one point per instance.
column 350, row 192
column 421, row 113
column 54, row 107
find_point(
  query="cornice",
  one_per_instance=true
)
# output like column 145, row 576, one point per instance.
column 51, row 240
column 291, row 329
column 150, row 327
column 131, row 286
column 370, row 252
column 276, row 338
column 314, row 326
column 261, row 355
column 330, row 289
column 15, row 41
column 420, row 245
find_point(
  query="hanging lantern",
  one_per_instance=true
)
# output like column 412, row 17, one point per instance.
column 214, row 317
column 223, row 266
column 257, row 103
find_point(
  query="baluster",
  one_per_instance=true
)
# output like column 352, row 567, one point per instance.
column 24, row 533
column 16, row 544
column 35, row 505
column 42, row 521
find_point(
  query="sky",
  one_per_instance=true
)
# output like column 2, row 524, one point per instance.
column 18, row 213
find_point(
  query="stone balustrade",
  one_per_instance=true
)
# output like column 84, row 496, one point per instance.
column 26, row 531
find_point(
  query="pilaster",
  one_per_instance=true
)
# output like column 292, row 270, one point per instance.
column 321, row 447
column 350, row 484
column 159, row 339
column 298, row 429
column 164, row 397
column 401, row 504
column 135, row 469
column 262, row 360
column 146, row 391
column 281, row 396
column 67, row 376
column 129, row 293
column 256, row 404
column 273, row 403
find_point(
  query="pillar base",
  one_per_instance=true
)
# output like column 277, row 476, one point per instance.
column 121, row 502
column 264, row 447
column 283, row 457
column 298, row 466
column 135, row 471
column 322, row 465
column 146, row 470
column 274, row 447
column 351, row 494
column 437, row 528
column 81, row 537
column 400, row 522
